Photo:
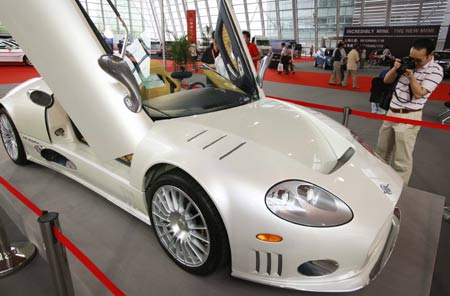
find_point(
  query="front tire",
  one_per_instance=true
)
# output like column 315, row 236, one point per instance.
column 187, row 224
column 11, row 139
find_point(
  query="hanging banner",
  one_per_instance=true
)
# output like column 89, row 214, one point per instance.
column 191, row 26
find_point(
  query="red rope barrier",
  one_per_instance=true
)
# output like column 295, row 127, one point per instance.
column 21, row 197
column 312, row 105
column 369, row 115
column 401, row 120
column 65, row 241
column 87, row 262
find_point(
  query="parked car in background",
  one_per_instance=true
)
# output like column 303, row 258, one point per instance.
column 10, row 52
column 443, row 59
column 322, row 58
column 155, row 46
column 263, row 44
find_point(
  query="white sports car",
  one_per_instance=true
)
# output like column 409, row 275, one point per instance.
column 281, row 193
column 10, row 52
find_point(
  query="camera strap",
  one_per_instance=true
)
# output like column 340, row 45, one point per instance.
column 409, row 89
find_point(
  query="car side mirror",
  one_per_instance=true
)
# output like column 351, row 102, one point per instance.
column 264, row 65
column 118, row 69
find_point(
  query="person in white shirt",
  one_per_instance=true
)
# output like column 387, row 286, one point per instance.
column 362, row 61
column 352, row 67
column 396, row 141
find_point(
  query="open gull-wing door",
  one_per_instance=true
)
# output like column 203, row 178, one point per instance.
column 234, row 52
column 63, row 45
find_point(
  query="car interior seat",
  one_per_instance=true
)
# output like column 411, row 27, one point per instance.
column 160, row 83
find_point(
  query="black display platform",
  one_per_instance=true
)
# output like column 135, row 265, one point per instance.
column 127, row 251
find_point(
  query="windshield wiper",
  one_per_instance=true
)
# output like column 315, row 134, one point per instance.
column 157, row 110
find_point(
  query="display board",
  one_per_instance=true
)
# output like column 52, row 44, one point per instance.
column 398, row 38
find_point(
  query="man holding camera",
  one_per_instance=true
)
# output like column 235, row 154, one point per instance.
column 417, row 77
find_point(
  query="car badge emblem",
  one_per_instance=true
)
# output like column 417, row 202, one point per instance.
column 386, row 189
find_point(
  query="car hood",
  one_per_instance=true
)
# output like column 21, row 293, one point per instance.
column 281, row 127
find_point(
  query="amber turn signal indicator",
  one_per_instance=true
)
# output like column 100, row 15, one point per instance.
column 268, row 237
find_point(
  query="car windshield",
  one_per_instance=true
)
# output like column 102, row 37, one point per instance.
column 163, row 94
column 442, row 55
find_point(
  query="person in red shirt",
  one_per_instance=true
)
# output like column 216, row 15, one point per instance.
column 254, row 52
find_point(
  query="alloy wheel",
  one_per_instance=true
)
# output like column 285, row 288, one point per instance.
column 180, row 226
column 8, row 137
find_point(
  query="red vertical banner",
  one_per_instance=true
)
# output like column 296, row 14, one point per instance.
column 191, row 22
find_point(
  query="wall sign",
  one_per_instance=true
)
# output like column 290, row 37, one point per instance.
column 398, row 39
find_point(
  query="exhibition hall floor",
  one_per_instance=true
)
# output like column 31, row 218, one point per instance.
column 84, row 212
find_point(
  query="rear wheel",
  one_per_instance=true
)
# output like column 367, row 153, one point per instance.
column 187, row 224
column 11, row 140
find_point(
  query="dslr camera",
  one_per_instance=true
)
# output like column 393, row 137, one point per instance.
column 406, row 63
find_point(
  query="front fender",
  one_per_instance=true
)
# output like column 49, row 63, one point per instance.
column 28, row 117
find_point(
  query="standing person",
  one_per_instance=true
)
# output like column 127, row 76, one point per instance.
column 254, row 52
column 352, row 66
column 343, row 61
column 362, row 61
column 412, row 91
column 300, row 49
column 193, row 55
column 120, row 45
column 337, row 63
column 209, row 57
column 285, row 58
column 311, row 51
column 386, row 56
column 210, row 53
column 291, row 61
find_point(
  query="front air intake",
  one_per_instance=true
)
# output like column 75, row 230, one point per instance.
column 270, row 264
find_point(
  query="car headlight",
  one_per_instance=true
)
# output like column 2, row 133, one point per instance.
column 306, row 204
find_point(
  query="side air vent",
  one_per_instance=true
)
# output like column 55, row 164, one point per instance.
column 197, row 135
column 270, row 264
column 232, row 150
column 214, row 142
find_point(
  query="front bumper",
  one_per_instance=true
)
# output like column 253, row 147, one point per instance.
column 270, row 269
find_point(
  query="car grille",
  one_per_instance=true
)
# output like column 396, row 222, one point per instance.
column 270, row 264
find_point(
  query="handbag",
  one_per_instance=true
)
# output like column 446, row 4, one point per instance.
column 280, row 67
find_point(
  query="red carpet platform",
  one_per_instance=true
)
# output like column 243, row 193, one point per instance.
column 18, row 74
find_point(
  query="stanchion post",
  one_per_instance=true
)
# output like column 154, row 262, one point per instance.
column 347, row 112
column 56, row 254
column 13, row 256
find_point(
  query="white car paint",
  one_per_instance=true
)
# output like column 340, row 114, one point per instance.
column 261, row 144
